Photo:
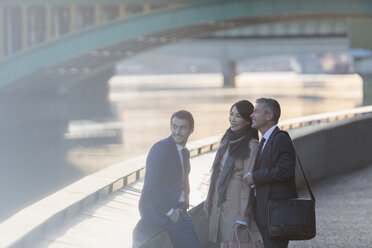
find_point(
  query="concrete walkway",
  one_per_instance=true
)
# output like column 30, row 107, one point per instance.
column 343, row 208
column 343, row 211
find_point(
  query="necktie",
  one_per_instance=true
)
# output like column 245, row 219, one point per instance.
column 258, row 157
column 186, row 161
column 186, row 170
column 255, row 167
column 262, row 142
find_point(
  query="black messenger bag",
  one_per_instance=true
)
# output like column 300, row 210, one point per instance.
column 292, row 219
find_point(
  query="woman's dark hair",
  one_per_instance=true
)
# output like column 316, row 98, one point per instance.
column 245, row 109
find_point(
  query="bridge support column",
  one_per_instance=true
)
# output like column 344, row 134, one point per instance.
column 25, row 27
column 364, row 68
column 48, row 22
column 43, row 108
column 121, row 11
column 87, row 99
column 72, row 27
column 360, row 42
column 146, row 8
column 229, row 73
column 97, row 14
column 2, row 37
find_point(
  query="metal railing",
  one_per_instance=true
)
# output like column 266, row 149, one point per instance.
column 324, row 118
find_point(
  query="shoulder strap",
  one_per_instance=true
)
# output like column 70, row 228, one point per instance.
column 299, row 160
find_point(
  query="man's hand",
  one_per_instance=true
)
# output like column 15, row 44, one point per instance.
column 248, row 179
column 175, row 215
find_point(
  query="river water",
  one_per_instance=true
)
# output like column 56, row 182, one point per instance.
column 142, row 106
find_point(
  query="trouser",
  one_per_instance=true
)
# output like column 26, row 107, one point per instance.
column 182, row 233
column 271, row 243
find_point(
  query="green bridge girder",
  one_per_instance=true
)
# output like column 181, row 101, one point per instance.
column 97, row 1
column 208, row 12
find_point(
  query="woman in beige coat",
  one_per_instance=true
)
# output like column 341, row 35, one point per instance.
column 228, row 202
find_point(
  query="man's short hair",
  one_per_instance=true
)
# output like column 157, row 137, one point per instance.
column 185, row 115
column 271, row 106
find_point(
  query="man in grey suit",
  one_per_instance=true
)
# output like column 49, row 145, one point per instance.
column 273, row 175
column 165, row 194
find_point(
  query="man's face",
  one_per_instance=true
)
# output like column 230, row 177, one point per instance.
column 259, row 117
column 181, row 130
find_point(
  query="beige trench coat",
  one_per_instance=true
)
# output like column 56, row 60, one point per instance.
column 237, row 205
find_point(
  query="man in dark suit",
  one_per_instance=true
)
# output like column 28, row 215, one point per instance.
column 279, row 181
column 165, row 194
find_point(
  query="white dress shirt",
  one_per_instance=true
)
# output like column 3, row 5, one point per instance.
column 182, row 196
column 267, row 135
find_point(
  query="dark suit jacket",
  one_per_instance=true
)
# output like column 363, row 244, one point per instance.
column 163, row 185
column 281, row 176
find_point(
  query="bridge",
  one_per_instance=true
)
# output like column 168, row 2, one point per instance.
column 94, row 35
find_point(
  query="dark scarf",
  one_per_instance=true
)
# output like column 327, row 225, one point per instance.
column 238, row 148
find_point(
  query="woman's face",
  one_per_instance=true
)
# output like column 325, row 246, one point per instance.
column 236, row 121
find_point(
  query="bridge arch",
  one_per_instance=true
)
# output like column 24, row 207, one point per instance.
column 191, row 21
